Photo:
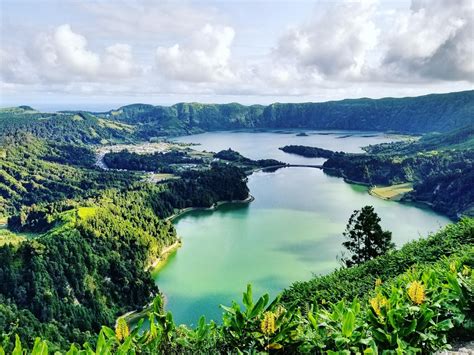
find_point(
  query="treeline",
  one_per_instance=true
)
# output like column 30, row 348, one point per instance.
column 204, row 189
column 440, row 166
column 308, row 152
column 157, row 162
column 403, row 310
column 237, row 158
column 439, row 113
column 33, row 171
column 65, row 128
column 441, row 179
column 81, row 274
column 430, row 113
column 89, row 266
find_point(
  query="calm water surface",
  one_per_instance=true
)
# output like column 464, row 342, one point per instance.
column 291, row 231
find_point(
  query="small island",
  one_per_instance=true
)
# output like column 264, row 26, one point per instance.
column 308, row 152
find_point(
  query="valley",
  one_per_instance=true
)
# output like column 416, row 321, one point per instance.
column 117, row 212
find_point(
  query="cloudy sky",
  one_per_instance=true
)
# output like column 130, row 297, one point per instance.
column 102, row 54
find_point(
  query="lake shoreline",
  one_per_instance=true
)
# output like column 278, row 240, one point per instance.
column 161, row 260
column 165, row 253
column 215, row 206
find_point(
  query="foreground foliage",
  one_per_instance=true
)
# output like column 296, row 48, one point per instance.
column 416, row 305
column 355, row 282
column 413, row 313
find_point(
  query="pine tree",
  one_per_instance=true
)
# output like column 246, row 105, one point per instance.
column 365, row 238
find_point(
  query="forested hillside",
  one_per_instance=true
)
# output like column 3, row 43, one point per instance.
column 416, row 300
column 76, row 240
column 442, row 112
column 74, row 127
column 431, row 113
column 34, row 171
column 440, row 167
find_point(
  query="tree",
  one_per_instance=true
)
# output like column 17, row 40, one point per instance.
column 365, row 237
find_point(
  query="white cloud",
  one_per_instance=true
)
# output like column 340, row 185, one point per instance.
column 344, row 48
column 62, row 55
column 16, row 67
column 433, row 39
column 68, row 49
column 118, row 61
column 204, row 58
column 333, row 43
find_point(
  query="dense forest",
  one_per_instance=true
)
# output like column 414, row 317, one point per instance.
column 246, row 163
column 91, row 234
column 34, row 171
column 88, row 265
column 442, row 112
column 308, row 152
column 74, row 127
column 414, row 300
column 440, row 167
column 76, row 240
column 430, row 113
column 173, row 161
column 157, row 162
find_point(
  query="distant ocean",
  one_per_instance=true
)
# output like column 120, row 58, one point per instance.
column 61, row 106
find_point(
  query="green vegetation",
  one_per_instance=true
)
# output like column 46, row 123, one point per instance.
column 65, row 128
column 157, row 162
column 89, row 264
column 309, row 152
column 82, row 272
column 430, row 113
column 33, row 171
column 393, row 192
column 415, row 311
column 356, row 282
column 80, row 239
column 246, row 163
column 365, row 238
column 441, row 178
column 439, row 113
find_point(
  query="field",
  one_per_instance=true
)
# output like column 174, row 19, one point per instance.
column 393, row 192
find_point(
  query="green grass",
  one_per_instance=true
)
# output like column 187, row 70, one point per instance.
column 85, row 212
column 7, row 237
column 14, row 238
column 393, row 192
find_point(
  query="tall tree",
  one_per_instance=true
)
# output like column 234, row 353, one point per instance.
column 365, row 238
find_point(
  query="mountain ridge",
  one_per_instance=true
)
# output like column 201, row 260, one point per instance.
column 410, row 115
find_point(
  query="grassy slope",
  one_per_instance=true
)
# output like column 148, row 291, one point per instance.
column 357, row 281
column 392, row 192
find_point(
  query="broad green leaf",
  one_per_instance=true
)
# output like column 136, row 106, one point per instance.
column 18, row 350
column 247, row 298
column 348, row 323
column 40, row 347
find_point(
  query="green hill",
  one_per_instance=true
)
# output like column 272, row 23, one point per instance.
column 431, row 113
column 415, row 115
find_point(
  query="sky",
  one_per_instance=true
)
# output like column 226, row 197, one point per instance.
column 64, row 54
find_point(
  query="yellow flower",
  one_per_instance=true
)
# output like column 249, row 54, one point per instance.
column 452, row 267
column 377, row 303
column 416, row 292
column 279, row 311
column 466, row 270
column 268, row 323
column 378, row 282
column 121, row 329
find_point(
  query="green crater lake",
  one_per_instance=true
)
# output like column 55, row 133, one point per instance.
column 292, row 230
